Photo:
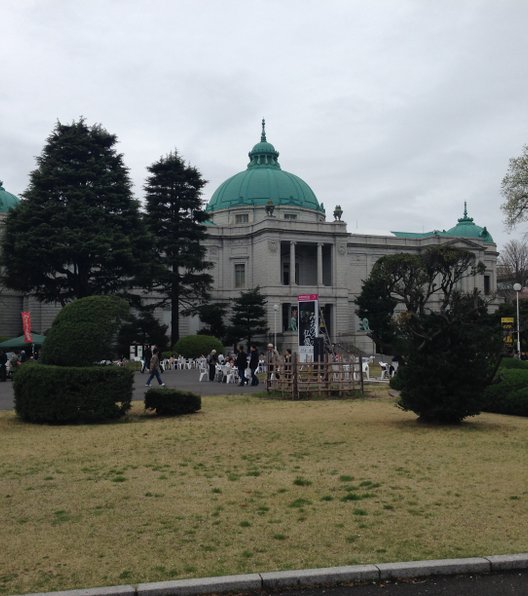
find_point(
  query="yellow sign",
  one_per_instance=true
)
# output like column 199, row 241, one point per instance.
column 507, row 324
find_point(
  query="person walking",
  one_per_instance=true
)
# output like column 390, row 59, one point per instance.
column 241, row 363
column 147, row 355
column 155, row 369
column 3, row 365
column 272, row 365
column 212, row 361
column 253, row 364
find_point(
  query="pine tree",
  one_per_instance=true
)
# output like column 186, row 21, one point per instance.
column 212, row 315
column 78, row 231
column 175, row 218
column 248, row 317
column 448, row 343
column 142, row 328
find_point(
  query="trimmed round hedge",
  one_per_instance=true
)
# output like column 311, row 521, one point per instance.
column 508, row 394
column 66, row 395
column 509, row 363
column 194, row 346
column 171, row 402
column 85, row 332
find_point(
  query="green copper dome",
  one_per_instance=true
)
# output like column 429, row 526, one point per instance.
column 466, row 228
column 262, row 181
column 7, row 200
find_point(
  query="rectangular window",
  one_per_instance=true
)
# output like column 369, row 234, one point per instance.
column 241, row 218
column 290, row 216
column 286, row 274
column 487, row 285
column 240, row 275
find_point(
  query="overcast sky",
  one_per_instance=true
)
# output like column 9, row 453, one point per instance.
column 398, row 110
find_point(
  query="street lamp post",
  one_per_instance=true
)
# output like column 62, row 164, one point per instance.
column 517, row 287
column 275, row 311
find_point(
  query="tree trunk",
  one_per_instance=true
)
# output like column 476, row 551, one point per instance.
column 175, row 317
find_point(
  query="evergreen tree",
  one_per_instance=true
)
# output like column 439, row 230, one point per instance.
column 451, row 357
column 78, row 231
column 376, row 304
column 450, row 346
column 175, row 217
column 143, row 328
column 248, row 317
column 213, row 317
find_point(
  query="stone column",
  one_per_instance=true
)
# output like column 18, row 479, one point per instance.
column 319, row 264
column 292, row 263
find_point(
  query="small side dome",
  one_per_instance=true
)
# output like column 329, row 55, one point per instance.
column 7, row 200
column 466, row 228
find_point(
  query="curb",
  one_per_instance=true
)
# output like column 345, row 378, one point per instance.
column 274, row 580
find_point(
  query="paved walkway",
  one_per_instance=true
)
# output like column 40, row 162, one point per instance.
column 486, row 576
column 186, row 380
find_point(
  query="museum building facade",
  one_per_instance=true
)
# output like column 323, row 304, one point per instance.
column 268, row 229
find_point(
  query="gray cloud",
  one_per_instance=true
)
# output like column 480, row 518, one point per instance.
column 398, row 111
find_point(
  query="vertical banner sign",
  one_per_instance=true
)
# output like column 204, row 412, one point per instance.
column 308, row 325
column 26, row 327
column 507, row 324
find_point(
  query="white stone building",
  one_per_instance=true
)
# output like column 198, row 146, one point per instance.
column 268, row 229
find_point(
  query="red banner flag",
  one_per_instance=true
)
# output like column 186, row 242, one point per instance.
column 26, row 326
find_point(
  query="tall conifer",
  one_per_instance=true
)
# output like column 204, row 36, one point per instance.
column 78, row 231
column 248, row 317
column 175, row 218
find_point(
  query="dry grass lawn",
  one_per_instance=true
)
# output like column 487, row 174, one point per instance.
column 250, row 484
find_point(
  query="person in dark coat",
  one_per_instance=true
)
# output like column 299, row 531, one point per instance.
column 241, row 364
column 147, row 355
column 253, row 364
column 3, row 365
column 212, row 361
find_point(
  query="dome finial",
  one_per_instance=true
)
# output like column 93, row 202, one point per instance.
column 263, row 135
column 465, row 210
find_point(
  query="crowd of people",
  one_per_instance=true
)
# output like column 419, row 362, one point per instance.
column 9, row 361
column 246, row 364
column 241, row 365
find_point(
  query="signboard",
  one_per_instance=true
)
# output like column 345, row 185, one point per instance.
column 26, row 327
column 507, row 324
column 136, row 352
column 308, row 325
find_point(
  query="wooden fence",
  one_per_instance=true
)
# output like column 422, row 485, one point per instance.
column 325, row 378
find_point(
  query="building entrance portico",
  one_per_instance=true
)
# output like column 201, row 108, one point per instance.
column 313, row 263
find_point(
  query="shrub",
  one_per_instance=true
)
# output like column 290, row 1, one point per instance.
column 514, row 403
column 451, row 358
column 506, row 381
column 171, row 402
column 84, row 332
column 63, row 395
column 395, row 382
column 508, row 394
column 194, row 346
column 507, row 363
